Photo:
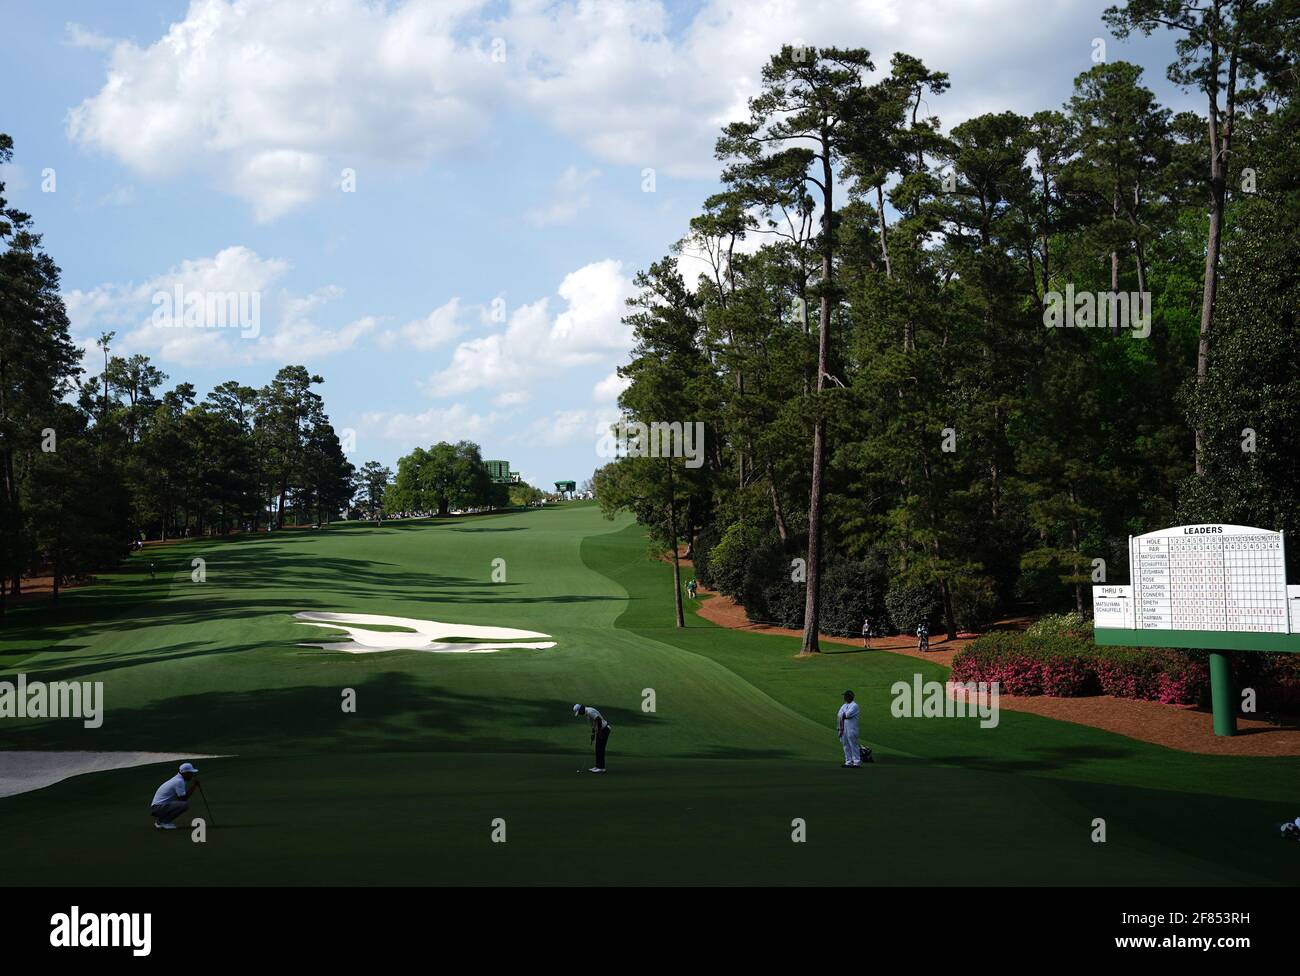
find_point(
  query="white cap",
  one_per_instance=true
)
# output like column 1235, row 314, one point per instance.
column 577, row 709
column 188, row 768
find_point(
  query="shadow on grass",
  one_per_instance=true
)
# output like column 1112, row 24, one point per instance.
column 1043, row 759
column 135, row 603
column 394, row 712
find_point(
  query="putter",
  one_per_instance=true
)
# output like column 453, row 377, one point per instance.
column 206, row 806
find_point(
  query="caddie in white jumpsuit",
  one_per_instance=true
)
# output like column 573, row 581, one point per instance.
column 848, row 721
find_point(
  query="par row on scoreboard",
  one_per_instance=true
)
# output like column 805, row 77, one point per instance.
column 1203, row 577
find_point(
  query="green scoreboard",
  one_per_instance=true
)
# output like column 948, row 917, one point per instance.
column 500, row 473
column 1214, row 587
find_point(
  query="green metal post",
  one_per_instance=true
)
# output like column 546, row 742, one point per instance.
column 1221, row 695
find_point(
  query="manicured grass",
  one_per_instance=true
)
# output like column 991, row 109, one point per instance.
column 704, row 788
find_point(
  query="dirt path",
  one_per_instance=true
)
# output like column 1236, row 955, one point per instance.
column 1176, row 727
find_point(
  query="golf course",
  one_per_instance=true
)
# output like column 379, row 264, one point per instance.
column 734, row 743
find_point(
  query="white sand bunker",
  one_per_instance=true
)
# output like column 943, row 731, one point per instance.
column 22, row 772
column 421, row 635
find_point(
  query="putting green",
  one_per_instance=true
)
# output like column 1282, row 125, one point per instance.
column 704, row 788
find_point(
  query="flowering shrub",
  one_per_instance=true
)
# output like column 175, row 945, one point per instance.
column 1057, row 666
column 1154, row 674
column 1066, row 666
column 1070, row 624
column 1128, row 672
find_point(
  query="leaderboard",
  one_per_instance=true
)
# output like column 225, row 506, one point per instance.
column 1210, row 577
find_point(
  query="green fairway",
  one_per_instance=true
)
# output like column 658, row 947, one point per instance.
column 702, row 789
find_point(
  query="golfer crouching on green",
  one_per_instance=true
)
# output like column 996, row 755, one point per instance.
column 172, row 798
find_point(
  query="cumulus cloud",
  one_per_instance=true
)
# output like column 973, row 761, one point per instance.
column 438, row 328
column 275, row 99
column 218, row 309
column 563, row 428
column 588, row 331
column 453, row 423
column 609, row 389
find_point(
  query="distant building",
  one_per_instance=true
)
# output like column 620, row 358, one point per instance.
column 500, row 473
column 566, row 487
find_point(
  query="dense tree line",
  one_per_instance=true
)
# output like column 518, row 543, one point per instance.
column 860, row 319
column 441, row 478
column 95, row 462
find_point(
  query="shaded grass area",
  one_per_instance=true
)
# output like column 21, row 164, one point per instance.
column 704, row 788
column 425, row 818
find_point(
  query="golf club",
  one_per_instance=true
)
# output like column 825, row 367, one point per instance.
column 211, row 822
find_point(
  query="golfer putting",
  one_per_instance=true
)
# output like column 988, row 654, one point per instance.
column 599, row 733
column 173, row 797
column 848, row 724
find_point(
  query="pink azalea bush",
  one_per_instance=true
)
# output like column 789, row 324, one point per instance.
column 1021, row 665
column 1070, row 666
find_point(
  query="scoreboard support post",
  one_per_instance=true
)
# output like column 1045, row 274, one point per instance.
column 1222, row 694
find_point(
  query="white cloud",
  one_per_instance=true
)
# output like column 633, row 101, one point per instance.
column 563, row 428
column 272, row 100
column 633, row 87
column 296, row 337
column 609, row 389
column 279, row 180
column 78, row 36
column 453, row 423
column 149, row 320
column 535, row 343
column 568, row 197
column 512, row 398
column 439, row 327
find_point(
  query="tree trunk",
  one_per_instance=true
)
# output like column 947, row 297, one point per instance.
column 880, row 211
column 1220, row 147
column 1114, row 263
column 1141, row 262
column 1207, row 302
column 777, row 511
column 949, row 618
column 811, row 605
column 672, row 544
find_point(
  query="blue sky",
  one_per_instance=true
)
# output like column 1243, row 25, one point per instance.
column 470, row 285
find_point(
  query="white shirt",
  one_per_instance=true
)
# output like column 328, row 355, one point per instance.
column 173, row 789
column 848, row 714
column 597, row 717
